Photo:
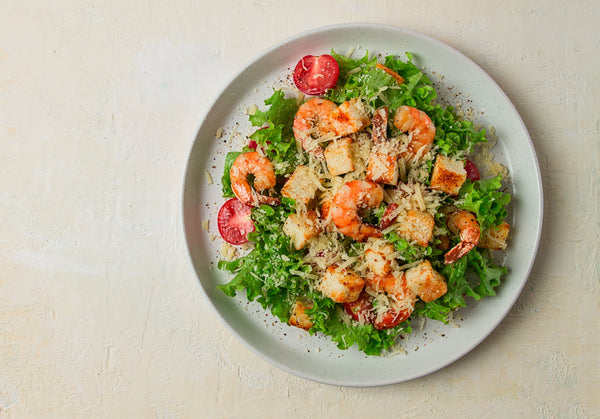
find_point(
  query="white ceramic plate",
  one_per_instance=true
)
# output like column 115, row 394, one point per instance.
column 315, row 357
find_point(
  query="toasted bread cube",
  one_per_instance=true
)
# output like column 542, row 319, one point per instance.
column 383, row 167
column 301, row 228
column 383, row 160
column 495, row 237
column 338, row 156
column 379, row 122
column 298, row 316
column 448, row 175
column 378, row 258
column 426, row 282
column 325, row 208
column 416, row 226
column 341, row 285
column 301, row 186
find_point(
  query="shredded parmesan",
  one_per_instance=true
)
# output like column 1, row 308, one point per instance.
column 252, row 110
column 228, row 251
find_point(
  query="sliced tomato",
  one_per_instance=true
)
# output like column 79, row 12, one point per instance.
column 235, row 221
column 472, row 171
column 361, row 309
column 314, row 75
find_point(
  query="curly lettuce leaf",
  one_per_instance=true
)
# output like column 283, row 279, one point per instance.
column 226, row 179
column 326, row 319
column 360, row 78
column 265, row 272
column 485, row 199
column 276, row 135
column 474, row 275
column 408, row 252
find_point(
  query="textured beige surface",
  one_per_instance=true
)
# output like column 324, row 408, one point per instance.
column 100, row 311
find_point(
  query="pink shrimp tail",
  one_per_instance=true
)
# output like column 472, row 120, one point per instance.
column 457, row 252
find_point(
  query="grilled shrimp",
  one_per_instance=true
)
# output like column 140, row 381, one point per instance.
column 260, row 167
column 403, row 299
column 464, row 224
column 349, row 199
column 419, row 127
column 321, row 119
column 312, row 123
column 350, row 117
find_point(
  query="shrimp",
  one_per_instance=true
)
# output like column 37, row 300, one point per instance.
column 320, row 120
column 420, row 128
column 403, row 299
column 350, row 117
column 312, row 123
column 260, row 167
column 348, row 200
column 464, row 224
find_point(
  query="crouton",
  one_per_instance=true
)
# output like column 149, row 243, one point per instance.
column 302, row 228
column 338, row 156
column 416, row 226
column 379, row 258
column 379, row 121
column 383, row 160
column 341, row 285
column 298, row 316
column 448, row 175
column 495, row 237
column 426, row 282
column 383, row 166
column 301, row 186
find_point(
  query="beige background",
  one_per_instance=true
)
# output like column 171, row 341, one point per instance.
column 100, row 312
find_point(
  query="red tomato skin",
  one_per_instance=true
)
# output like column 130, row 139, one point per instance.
column 361, row 309
column 235, row 222
column 472, row 171
column 314, row 75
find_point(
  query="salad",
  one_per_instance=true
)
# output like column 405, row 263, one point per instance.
column 362, row 204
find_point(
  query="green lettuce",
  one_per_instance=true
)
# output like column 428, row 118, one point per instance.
column 226, row 179
column 276, row 135
column 485, row 199
column 360, row 78
column 265, row 272
column 474, row 275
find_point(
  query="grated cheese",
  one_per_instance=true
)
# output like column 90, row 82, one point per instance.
column 228, row 251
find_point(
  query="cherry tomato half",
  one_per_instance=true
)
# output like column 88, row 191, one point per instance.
column 361, row 309
column 472, row 171
column 313, row 75
column 235, row 222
